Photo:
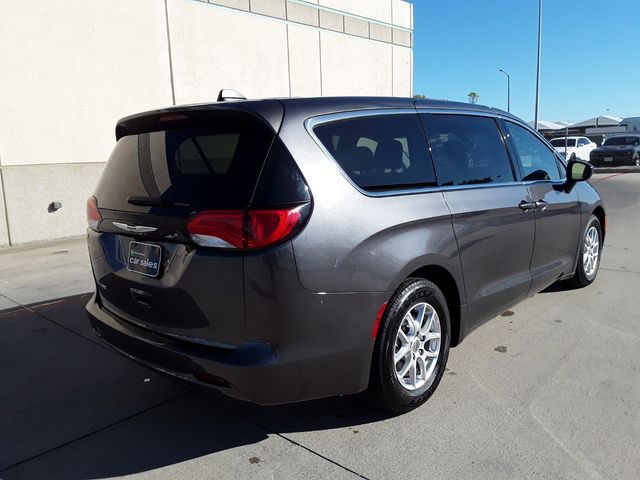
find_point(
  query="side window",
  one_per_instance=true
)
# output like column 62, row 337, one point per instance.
column 538, row 162
column 582, row 142
column 380, row 152
column 467, row 150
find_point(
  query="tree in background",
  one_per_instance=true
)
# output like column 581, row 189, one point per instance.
column 473, row 97
column 419, row 96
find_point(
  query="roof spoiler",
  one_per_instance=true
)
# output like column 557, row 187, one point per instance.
column 228, row 95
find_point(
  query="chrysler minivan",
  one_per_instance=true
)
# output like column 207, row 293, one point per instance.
column 288, row 249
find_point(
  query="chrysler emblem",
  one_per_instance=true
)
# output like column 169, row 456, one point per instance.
column 134, row 228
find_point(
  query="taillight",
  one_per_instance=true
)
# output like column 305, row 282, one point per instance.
column 244, row 230
column 268, row 227
column 93, row 215
column 220, row 229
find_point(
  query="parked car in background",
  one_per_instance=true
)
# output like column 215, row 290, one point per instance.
column 577, row 148
column 617, row 151
column 284, row 250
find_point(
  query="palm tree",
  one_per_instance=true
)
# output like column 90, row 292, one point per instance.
column 473, row 97
column 419, row 96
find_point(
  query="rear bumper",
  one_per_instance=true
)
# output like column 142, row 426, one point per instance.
column 327, row 355
column 253, row 371
column 616, row 160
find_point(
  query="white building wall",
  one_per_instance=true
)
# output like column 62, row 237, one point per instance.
column 71, row 69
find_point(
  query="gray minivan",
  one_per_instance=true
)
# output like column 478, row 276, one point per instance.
column 284, row 250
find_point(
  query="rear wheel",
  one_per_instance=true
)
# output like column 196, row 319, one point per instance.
column 412, row 348
column 590, row 252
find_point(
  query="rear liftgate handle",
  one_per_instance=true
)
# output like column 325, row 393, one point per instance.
column 141, row 297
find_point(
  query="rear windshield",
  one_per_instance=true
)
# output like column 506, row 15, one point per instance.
column 622, row 141
column 213, row 166
column 559, row 142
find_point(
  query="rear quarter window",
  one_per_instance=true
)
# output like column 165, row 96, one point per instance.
column 381, row 152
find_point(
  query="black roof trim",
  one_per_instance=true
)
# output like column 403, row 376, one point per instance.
column 271, row 110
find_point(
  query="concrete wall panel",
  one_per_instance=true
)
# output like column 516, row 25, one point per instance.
column 273, row 8
column 240, row 4
column 214, row 48
column 304, row 58
column 402, row 71
column 70, row 69
column 306, row 14
column 355, row 66
column 30, row 189
column 374, row 9
column 402, row 14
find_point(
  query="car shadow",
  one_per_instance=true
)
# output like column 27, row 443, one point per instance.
column 563, row 286
column 74, row 409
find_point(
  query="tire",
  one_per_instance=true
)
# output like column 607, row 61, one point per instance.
column 636, row 160
column 586, row 273
column 573, row 157
column 386, row 388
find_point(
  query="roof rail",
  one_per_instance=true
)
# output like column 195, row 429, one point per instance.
column 227, row 95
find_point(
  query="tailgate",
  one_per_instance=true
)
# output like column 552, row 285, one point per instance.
column 147, row 270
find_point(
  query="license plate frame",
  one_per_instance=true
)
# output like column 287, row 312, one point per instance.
column 144, row 259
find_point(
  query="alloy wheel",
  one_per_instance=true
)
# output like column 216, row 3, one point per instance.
column 417, row 346
column 591, row 252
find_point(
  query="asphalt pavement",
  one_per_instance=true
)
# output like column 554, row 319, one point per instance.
column 548, row 389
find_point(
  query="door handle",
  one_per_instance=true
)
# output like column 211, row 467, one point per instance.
column 542, row 205
column 524, row 205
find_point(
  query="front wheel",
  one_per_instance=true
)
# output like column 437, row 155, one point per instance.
column 412, row 348
column 590, row 253
column 636, row 160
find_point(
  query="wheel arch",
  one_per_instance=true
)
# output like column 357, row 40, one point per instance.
column 445, row 280
column 602, row 218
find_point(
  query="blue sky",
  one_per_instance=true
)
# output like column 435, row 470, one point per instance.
column 590, row 55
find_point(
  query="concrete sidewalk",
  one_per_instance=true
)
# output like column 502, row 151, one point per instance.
column 547, row 390
column 41, row 272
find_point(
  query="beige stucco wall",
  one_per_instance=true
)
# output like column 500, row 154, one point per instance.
column 71, row 69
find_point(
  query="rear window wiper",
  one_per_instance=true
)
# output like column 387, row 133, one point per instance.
column 155, row 202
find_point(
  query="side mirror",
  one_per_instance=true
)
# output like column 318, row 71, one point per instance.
column 578, row 171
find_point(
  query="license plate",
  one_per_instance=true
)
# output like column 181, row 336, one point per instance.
column 608, row 159
column 144, row 258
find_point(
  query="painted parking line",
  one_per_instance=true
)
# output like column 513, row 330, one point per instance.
column 608, row 176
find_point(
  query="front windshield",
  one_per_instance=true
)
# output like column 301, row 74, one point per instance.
column 622, row 141
column 559, row 142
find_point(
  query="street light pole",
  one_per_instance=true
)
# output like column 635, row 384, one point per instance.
column 538, row 68
column 508, row 90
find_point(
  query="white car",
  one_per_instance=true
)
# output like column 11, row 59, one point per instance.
column 578, row 148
